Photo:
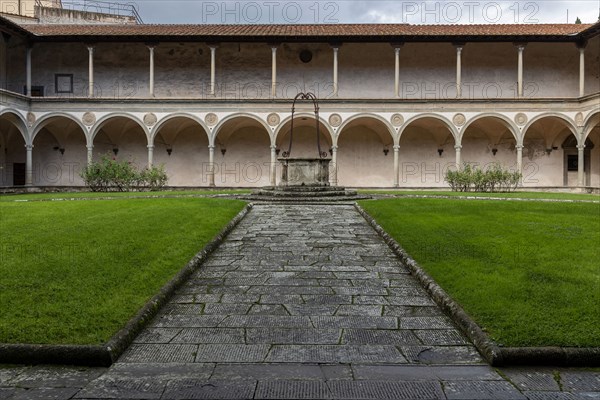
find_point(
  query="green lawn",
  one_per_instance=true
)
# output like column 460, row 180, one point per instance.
column 521, row 195
column 87, row 195
column 76, row 272
column 527, row 272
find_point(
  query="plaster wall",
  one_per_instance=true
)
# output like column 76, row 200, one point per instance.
column 243, row 71
column 12, row 151
column 361, row 160
column 187, row 164
column 50, row 167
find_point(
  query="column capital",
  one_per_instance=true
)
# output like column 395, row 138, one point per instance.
column 90, row 148
column 581, row 45
column 334, row 148
column 396, row 147
column 459, row 46
column 150, row 147
column 91, row 47
column 212, row 45
column 457, row 147
column 519, row 147
column 397, row 45
column 211, row 146
column 581, row 147
column 273, row 148
column 29, row 146
column 520, row 45
column 335, row 45
column 273, row 45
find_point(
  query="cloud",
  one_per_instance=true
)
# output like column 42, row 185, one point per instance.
column 377, row 11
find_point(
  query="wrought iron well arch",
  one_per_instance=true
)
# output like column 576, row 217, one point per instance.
column 305, row 96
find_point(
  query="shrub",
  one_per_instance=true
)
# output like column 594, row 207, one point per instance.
column 493, row 179
column 109, row 174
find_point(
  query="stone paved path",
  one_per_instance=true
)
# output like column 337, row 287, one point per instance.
column 300, row 302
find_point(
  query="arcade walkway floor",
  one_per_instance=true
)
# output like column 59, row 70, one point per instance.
column 300, row 302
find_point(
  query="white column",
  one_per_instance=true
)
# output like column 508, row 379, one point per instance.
column 520, row 49
column 28, row 71
column 581, row 71
column 151, row 86
column 273, row 169
column 213, row 63
column 211, row 166
column 396, row 166
column 150, row 155
column 459, row 71
column 397, row 71
column 91, row 71
column 580, row 165
column 90, row 154
column 335, row 71
column 333, row 172
column 29, row 165
column 273, row 71
column 457, row 148
column 520, row 161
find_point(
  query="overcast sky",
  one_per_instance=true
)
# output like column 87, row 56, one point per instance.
column 356, row 11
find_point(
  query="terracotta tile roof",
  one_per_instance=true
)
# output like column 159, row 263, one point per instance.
column 324, row 31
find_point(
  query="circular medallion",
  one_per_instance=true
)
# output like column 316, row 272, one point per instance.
column 273, row 119
column 579, row 119
column 397, row 120
column 88, row 119
column 150, row 119
column 459, row 119
column 31, row 118
column 521, row 119
column 335, row 120
column 211, row 119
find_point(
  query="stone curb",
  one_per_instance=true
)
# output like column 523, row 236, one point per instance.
column 427, row 196
column 495, row 355
column 105, row 355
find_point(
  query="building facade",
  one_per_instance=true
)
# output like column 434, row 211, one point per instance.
column 399, row 104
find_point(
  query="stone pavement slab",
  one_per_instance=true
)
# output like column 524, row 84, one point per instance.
column 300, row 302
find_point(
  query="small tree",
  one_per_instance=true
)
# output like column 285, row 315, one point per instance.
column 109, row 174
column 578, row 21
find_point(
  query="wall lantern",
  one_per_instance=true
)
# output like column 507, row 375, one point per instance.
column 223, row 151
column 277, row 150
column 169, row 150
column 548, row 151
column 440, row 152
column 115, row 151
column 59, row 149
column 386, row 151
column 494, row 151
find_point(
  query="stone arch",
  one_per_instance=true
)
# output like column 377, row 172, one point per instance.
column 115, row 138
column 591, row 122
column 382, row 120
column 17, row 120
column 48, row 118
column 568, row 122
column 181, row 143
column 14, row 137
column 107, row 118
column 490, row 139
column 216, row 130
column 171, row 117
column 242, row 151
column 307, row 115
column 445, row 121
column 60, row 150
column 427, row 149
column 365, row 155
column 545, row 160
column 507, row 122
